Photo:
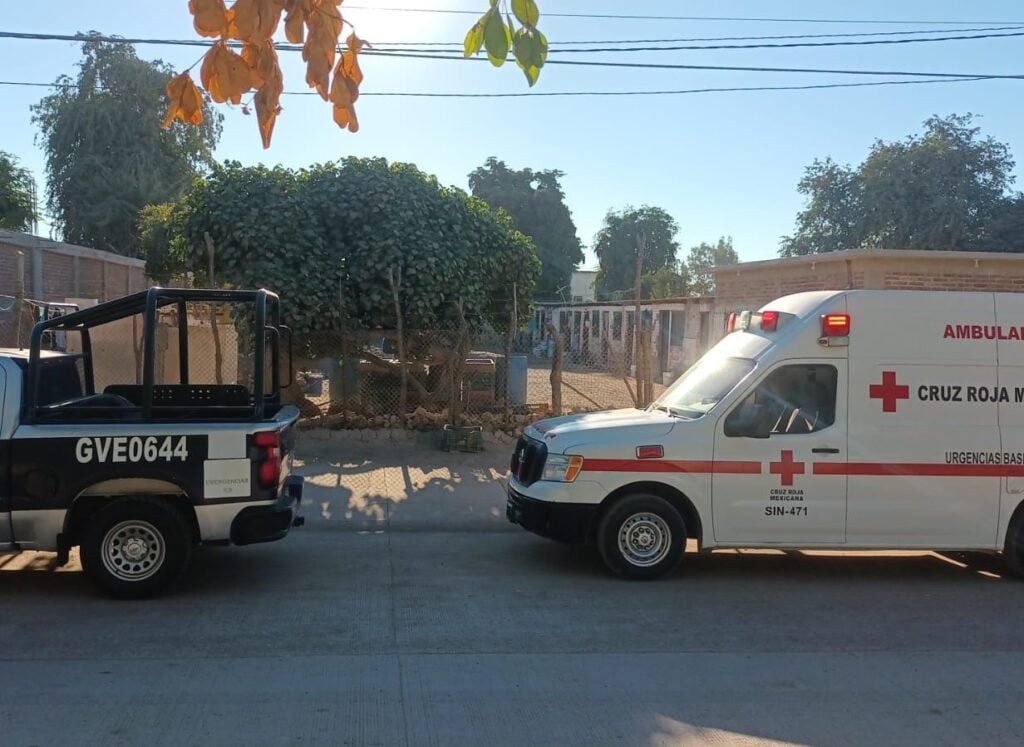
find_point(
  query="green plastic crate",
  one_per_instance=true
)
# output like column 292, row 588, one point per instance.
column 462, row 438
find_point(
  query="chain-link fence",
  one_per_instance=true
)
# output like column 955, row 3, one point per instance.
column 456, row 376
column 453, row 373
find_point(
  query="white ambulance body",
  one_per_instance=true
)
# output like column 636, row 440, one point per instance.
column 835, row 419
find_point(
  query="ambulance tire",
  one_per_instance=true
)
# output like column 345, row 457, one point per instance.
column 135, row 547
column 642, row 536
column 1013, row 550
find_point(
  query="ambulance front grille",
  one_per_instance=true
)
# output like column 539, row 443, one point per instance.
column 528, row 460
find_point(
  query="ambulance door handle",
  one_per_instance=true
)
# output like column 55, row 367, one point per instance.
column 823, row 450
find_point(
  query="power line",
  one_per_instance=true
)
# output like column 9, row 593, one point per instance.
column 730, row 19
column 728, row 68
column 549, row 94
column 769, row 45
column 550, row 61
column 381, row 47
column 563, row 42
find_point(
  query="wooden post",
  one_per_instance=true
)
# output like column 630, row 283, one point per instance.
column 395, row 278
column 456, row 366
column 556, row 370
column 341, row 371
column 19, row 294
column 218, row 356
column 508, row 356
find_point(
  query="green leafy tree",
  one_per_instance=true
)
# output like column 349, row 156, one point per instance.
column 329, row 237
column 703, row 258
column 161, row 242
column 666, row 282
column 1005, row 233
column 938, row 190
column 615, row 246
column 17, row 211
column 536, row 204
column 106, row 158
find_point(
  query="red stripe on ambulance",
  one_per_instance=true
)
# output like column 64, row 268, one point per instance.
column 670, row 465
column 904, row 469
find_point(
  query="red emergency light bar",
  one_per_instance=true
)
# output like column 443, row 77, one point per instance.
column 835, row 325
column 769, row 321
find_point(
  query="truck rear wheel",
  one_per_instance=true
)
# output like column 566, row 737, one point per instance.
column 135, row 547
column 642, row 536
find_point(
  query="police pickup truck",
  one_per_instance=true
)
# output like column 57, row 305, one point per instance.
column 137, row 473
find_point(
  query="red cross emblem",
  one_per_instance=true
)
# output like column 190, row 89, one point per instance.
column 889, row 392
column 786, row 468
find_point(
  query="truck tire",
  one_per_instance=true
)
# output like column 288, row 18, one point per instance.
column 642, row 536
column 1013, row 549
column 135, row 547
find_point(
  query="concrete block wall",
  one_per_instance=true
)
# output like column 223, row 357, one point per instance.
column 54, row 271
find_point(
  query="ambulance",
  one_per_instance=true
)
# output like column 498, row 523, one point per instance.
column 826, row 420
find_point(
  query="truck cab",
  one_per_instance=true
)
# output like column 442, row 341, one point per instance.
column 139, row 428
column 834, row 419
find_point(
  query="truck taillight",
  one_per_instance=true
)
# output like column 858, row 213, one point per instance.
column 269, row 469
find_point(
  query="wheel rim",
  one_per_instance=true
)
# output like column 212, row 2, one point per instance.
column 133, row 550
column 644, row 539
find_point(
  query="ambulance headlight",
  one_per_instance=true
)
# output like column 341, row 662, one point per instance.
column 562, row 468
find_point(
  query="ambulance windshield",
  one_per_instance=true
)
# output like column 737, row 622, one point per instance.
column 703, row 386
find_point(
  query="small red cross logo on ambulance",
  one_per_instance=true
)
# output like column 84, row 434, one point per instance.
column 786, row 468
column 889, row 392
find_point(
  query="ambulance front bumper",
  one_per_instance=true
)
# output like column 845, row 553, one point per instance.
column 565, row 522
column 269, row 523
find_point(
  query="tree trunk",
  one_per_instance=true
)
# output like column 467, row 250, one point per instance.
column 218, row 356
column 638, row 358
column 395, row 278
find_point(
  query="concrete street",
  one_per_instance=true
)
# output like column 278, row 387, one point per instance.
column 408, row 611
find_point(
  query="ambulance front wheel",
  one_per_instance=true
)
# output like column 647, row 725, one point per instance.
column 135, row 547
column 642, row 536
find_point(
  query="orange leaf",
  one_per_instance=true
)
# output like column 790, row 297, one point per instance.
column 186, row 101
column 295, row 20
column 255, row 20
column 210, row 17
column 262, row 61
column 344, row 92
column 225, row 75
column 267, row 102
column 324, row 26
column 350, row 60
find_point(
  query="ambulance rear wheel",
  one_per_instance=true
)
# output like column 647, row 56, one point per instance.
column 135, row 547
column 642, row 536
column 1013, row 550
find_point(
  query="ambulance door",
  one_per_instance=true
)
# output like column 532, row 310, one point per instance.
column 768, row 486
column 924, row 466
column 1010, row 346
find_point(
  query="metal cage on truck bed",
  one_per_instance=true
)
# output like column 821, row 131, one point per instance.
column 147, row 400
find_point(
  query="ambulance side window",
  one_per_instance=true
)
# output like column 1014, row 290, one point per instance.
column 793, row 399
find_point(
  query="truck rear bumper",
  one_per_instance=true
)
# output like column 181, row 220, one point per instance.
column 269, row 523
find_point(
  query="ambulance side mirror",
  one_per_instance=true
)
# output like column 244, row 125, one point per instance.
column 750, row 420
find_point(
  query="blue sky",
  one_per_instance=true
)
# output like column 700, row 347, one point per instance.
column 721, row 163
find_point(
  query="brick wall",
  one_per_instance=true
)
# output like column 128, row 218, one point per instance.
column 753, row 284
column 53, row 271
